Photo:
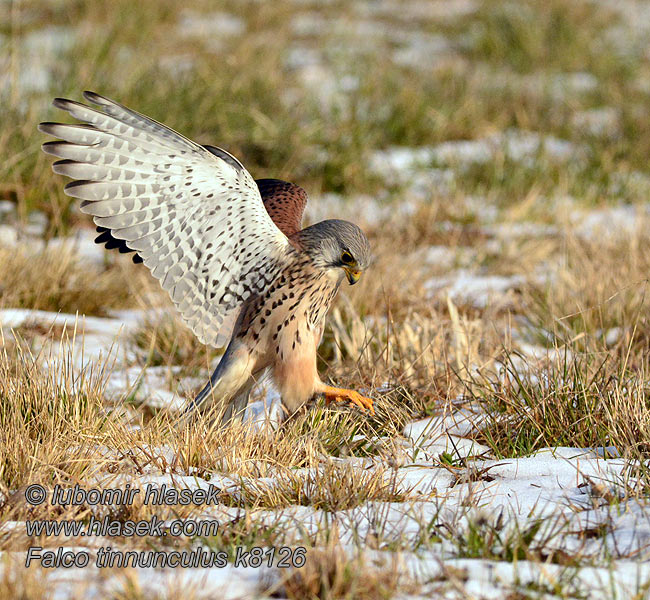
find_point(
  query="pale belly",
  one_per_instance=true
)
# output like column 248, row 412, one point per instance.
column 285, row 331
column 294, row 367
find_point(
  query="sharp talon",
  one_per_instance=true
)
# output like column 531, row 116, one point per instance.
column 333, row 394
column 358, row 403
column 367, row 403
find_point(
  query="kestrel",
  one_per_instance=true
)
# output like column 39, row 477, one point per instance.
column 229, row 250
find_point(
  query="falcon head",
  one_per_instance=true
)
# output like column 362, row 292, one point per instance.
column 338, row 246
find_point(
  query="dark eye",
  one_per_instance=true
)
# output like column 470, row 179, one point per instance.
column 347, row 258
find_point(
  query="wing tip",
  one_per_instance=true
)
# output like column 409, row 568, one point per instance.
column 69, row 188
column 62, row 103
column 59, row 166
column 73, row 184
column 95, row 98
column 46, row 127
column 50, row 147
column 86, row 211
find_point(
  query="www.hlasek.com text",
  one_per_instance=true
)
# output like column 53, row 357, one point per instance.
column 111, row 527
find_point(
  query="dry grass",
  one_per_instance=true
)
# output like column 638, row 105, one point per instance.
column 25, row 584
column 166, row 341
column 599, row 285
column 329, row 574
column 584, row 400
column 592, row 389
column 133, row 589
column 453, row 99
column 44, row 415
column 59, row 280
column 56, row 429
column 331, row 487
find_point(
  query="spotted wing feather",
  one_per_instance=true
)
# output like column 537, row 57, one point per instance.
column 194, row 216
column 285, row 202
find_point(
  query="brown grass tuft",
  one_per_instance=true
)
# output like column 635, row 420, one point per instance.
column 329, row 574
column 59, row 280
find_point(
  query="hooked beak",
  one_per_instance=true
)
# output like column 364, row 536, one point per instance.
column 353, row 275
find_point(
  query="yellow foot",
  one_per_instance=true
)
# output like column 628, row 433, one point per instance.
column 333, row 394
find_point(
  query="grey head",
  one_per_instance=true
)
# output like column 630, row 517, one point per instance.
column 337, row 244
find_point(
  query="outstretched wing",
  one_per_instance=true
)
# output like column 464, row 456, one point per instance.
column 285, row 202
column 194, row 215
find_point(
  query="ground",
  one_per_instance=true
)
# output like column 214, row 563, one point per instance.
column 496, row 155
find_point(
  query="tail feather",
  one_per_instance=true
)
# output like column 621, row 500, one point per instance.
column 236, row 407
column 229, row 386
